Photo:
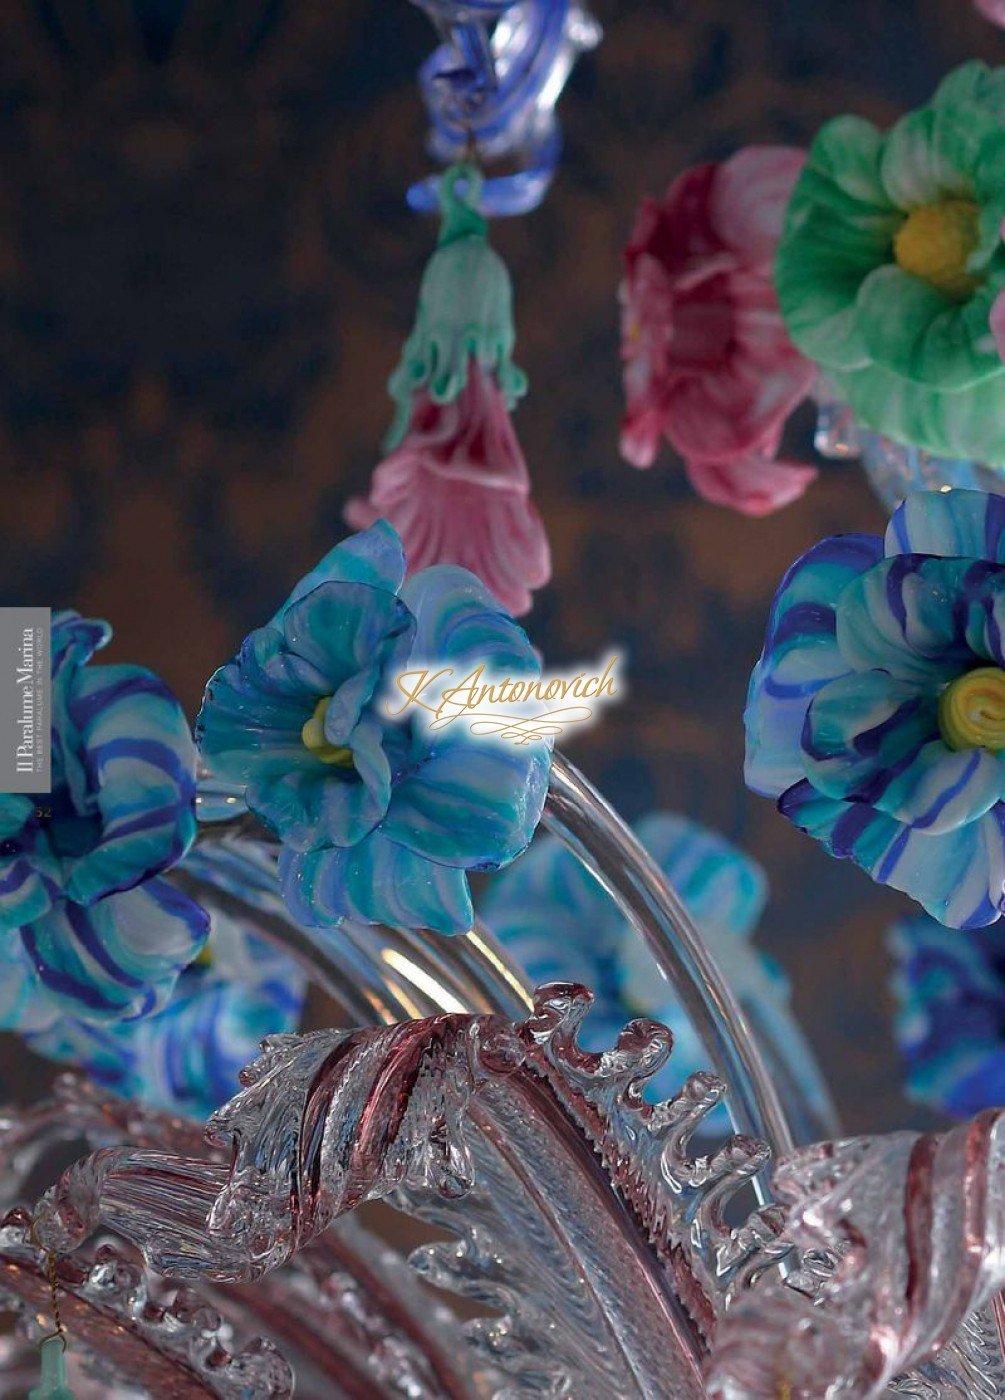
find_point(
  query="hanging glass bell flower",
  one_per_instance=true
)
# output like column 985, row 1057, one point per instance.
column 465, row 311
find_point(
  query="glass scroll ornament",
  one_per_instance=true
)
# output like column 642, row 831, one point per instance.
column 599, row 1250
column 492, row 87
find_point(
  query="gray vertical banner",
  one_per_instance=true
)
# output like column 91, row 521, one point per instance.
column 25, row 700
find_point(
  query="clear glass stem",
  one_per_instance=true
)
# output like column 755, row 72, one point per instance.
column 597, row 836
column 379, row 975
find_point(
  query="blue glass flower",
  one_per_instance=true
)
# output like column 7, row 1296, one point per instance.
column 557, row 922
column 186, row 1058
column 950, row 1021
column 380, row 818
column 87, row 926
column 876, row 714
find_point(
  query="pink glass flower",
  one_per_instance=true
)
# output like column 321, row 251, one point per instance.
column 707, row 360
column 994, row 10
column 457, row 491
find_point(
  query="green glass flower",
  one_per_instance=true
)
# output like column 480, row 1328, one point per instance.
column 891, row 260
column 465, row 311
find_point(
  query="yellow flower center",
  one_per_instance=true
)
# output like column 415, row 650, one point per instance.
column 934, row 243
column 972, row 710
column 313, row 735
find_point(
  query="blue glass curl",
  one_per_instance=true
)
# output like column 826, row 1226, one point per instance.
column 492, row 86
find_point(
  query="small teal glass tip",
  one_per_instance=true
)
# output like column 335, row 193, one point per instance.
column 52, row 1385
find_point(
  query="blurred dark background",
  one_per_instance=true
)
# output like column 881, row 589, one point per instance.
column 207, row 269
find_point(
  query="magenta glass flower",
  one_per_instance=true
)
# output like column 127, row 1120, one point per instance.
column 457, row 491
column 708, row 363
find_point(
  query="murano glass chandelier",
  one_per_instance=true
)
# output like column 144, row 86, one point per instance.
column 399, row 1066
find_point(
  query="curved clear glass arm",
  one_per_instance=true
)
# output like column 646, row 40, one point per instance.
column 374, row 973
column 380, row 975
column 580, row 1216
column 597, row 836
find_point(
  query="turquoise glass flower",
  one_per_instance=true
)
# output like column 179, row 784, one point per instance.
column 380, row 818
column 876, row 714
column 950, row 1020
column 557, row 922
column 88, row 927
column 186, row 1057
column 892, row 259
